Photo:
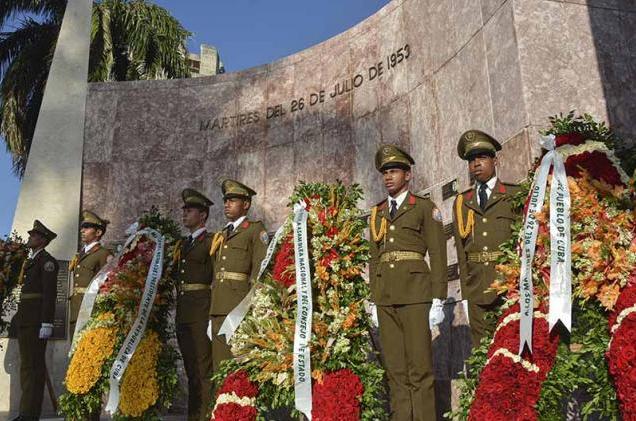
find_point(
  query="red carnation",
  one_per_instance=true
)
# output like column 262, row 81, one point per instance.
column 569, row 139
column 239, row 383
column 234, row 412
column 597, row 165
column 282, row 273
column 337, row 398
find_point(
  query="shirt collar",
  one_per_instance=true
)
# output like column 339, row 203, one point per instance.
column 399, row 199
column 88, row 247
column 32, row 253
column 198, row 232
column 236, row 223
column 490, row 184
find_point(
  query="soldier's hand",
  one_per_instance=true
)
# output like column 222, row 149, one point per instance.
column 436, row 315
column 46, row 330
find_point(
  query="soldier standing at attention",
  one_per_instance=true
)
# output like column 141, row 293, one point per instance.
column 238, row 251
column 193, row 275
column 483, row 218
column 407, row 292
column 34, row 319
column 85, row 264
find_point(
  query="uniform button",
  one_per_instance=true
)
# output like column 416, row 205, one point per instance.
column 77, row 275
column 182, row 293
column 223, row 257
column 392, row 227
column 485, row 248
column 182, row 282
column 391, row 240
column 221, row 281
column 182, row 271
column 486, row 263
column 222, row 269
column 484, row 220
column 391, row 265
column 485, row 234
column 182, row 260
column 225, row 246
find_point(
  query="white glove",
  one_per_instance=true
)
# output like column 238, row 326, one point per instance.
column 209, row 331
column 46, row 330
column 436, row 315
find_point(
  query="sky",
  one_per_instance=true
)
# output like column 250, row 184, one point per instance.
column 247, row 33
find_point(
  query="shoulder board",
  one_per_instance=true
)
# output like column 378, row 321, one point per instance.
column 381, row 205
column 468, row 193
column 414, row 196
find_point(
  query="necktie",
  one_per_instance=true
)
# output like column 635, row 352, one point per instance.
column 393, row 210
column 229, row 228
column 190, row 239
column 483, row 196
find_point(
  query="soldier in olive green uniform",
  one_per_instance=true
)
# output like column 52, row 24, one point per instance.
column 483, row 218
column 194, row 276
column 407, row 292
column 34, row 319
column 85, row 264
column 238, row 251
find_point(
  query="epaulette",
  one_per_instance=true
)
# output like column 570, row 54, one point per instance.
column 381, row 205
column 412, row 197
column 468, row 193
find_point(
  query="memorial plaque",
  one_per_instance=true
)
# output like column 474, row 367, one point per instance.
column 449, row 189
column 453, row 272
column 61, row 302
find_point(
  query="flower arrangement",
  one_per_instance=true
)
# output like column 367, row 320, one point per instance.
column 340, row 342
column 149, row 383
column 603, row 257
column 13, row 255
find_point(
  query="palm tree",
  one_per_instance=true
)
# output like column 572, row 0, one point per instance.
column 130, row 40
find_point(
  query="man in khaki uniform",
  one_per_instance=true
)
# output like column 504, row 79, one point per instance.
column 34, row 319
column 85, row 264
column 407, row 292
column 483, row 218
column 193, row 275
column 238, row 251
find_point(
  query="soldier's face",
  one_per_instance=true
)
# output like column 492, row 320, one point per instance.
column 193, row 218
column 235, row 207
column 482, row 167
column 396, row 180
column 90, row 234
column 36, row 241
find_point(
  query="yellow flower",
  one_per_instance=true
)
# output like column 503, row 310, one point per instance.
column 140, row 388
column 95, row 346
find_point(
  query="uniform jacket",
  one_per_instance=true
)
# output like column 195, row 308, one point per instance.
column 40, row 277
column 87, row 266
column 195, row 266
column 492, row 228
column 417, row 227
column 241, row 252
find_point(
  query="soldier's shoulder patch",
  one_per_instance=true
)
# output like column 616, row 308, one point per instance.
column 264, row 237
column 380, row 205
column 437, row 214
column 49, row 266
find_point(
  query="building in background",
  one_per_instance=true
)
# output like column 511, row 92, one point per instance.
column 207, row 63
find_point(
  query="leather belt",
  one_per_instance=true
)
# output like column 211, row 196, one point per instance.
column 30, row 295
column 235, row 276
column 192, row 287
column 398, row 256
column 484, row 256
